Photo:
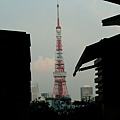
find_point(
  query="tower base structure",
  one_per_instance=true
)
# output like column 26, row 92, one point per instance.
column 60, row 90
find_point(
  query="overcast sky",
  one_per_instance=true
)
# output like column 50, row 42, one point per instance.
column 81, row 25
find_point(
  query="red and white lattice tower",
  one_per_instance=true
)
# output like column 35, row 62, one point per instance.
column 60, row 88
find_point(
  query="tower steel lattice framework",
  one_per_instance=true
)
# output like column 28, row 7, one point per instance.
column 60, row 87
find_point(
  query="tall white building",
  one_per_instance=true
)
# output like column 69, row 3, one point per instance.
column 86, row 92
column 34, row 91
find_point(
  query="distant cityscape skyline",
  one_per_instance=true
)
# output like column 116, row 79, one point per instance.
column 36, row 94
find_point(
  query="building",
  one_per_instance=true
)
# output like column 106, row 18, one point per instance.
column 46, row 95
column 86, row 93
column 106, row 61
column 15, row 74
column 114, row 20
column 105, row 55
column 34, row 91
column 53, row 102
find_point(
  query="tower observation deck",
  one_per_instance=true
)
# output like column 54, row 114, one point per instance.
column 60, row 87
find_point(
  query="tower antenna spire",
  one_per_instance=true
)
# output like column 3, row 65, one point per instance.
column 58, row 21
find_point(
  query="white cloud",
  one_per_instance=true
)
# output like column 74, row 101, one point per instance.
column 42, row 73
column 43, row 64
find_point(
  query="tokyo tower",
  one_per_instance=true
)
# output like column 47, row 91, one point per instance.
column 60, row 88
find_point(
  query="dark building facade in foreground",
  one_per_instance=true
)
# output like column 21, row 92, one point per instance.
column 15, row 73
column 105, row 54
